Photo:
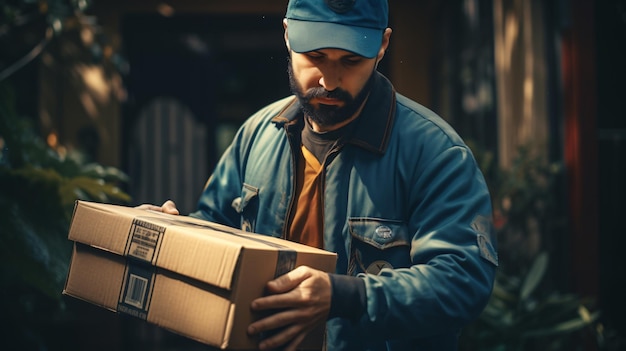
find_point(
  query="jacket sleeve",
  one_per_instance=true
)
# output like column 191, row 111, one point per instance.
column 225, row 193
column 224, row 185
column 452, row 253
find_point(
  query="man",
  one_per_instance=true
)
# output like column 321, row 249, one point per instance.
column 351, row 166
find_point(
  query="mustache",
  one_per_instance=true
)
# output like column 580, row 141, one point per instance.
column 319, row 92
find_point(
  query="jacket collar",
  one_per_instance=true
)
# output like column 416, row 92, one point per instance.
column 374, row 125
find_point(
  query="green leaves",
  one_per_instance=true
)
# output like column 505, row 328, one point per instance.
column 93, row 189
column 534, row 277
column 38, row 189
column 526, row 311
column 38, row 185
column 521, row 316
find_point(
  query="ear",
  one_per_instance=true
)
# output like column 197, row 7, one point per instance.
column 384, row 45
column 286, row 35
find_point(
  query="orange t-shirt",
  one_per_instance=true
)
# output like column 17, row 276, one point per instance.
column 307, row 223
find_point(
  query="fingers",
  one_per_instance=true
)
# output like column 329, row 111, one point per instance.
column 149, row 207
column 168, row 207
column 289, row 338
column 302, row 287
column 282, row 291
column 289, row 280
column 295, row 342
column 287, row 329
column 299, row 300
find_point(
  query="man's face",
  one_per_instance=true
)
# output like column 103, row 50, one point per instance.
column 331, row 84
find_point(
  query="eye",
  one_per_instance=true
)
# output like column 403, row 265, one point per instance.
column 314, row 56
column 352, row 60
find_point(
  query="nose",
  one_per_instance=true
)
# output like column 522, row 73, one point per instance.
column 331, row 77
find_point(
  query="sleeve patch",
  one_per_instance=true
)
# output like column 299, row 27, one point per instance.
column 486, row 250
column 483, row 227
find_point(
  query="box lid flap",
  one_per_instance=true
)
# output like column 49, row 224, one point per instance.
column 198, row 249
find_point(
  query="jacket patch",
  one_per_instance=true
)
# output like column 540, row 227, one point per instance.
column 383, row 232
column 380, row 233
column 483, row 226
column 486, row 249
column 378, row 266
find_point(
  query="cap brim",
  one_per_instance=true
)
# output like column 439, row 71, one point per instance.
column 305, row 36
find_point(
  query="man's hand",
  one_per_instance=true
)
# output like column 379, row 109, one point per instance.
column 302, row 298
column 168, row 207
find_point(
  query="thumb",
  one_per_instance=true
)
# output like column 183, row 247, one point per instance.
column 169, row 207
column 289, row 280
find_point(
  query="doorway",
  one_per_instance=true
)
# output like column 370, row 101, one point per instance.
column 193, row 80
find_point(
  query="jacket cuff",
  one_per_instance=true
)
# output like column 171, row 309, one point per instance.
column 348, row 297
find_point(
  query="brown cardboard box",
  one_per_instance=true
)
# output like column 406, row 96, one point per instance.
column 193, row 277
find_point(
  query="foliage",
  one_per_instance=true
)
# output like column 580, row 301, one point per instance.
column 28, row 26
column 526, row 311
column 527, row 205
column 38, row 185
column 38, row 188
column 528, row 208
column 519, row 316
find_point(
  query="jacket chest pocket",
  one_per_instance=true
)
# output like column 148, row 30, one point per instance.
column 378, row 244
column 247, row 206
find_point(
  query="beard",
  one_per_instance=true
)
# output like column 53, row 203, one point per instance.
column 327, row 115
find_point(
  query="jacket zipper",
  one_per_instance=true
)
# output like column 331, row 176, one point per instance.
column 327, row 159
column 294, row 171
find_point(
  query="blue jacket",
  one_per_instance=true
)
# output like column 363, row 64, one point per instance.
column 405, row 208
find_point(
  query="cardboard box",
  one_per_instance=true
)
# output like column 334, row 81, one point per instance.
column 193, row 277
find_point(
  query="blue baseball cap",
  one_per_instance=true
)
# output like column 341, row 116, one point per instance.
column 353, row 25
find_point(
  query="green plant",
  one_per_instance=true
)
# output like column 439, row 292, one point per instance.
column 38, row 188
column 529, row 205
column 521, row 316
column 38, row 185
column 526, row 311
